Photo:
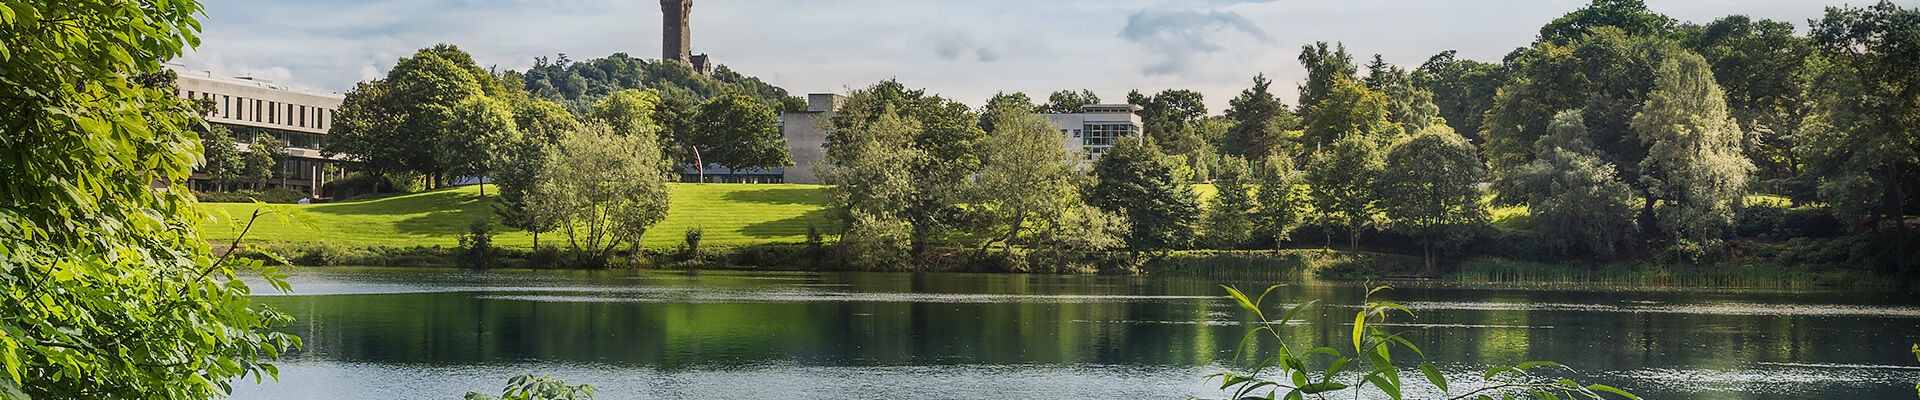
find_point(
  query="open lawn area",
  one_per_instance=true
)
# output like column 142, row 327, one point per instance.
column 730, row 214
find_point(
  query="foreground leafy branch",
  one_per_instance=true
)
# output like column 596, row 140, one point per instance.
column 1316, row 373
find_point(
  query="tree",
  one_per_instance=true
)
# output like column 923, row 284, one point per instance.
column 1629, row 16
column 1069, row 102
column 1410, row 107
column 1004, row 105
column 1261, row 125
column 1867, row 118
column 1026, row 178
column 480, row 129
column 1136, row 182
column 1762, row 67
column 1281, row 198
column 380, row 125
column 1463, row 90
column 1427, row 190
column 1167, row 119
column 577, row 86
column 1349, row 110
column 1341, row 179
column 264, row 159
column 605, row 187
column 109, row 290
column 944, row 136
column 1694, row 162
column 739, row 133
column 1229, row 219
column 224, row 163
column 1576, row 200
column 1325, row 68
column 870, row 194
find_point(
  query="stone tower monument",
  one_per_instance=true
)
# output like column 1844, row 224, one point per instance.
column 676, row 38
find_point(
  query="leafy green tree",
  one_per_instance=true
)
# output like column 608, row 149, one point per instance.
column 1762, row 66
column 1576, row 200
column 1410, row 107
column 527, row 387
column 944, row 136
column 1427, row 190
column 381, row 123
column 1261, row 125
column 264, row 159
column 109, row 291
column 1281, row 198
column 739, row 133
column 1349, row 110
column 605, row 187
column 1463, row 90
column 1229, row 216
column 516, row 171
column 628, row 112
column 1629, row 16
column 675, row 115
column 1861, row 136
column 577, row 86
column 1069, row 102
column 1694, row 162
column 1326, row 68
column 224, row 164
column 1341, row 179
column 1138, row 183
column 1023, row 180
column 870, row 194
column 1168, row 119
column 481, row 128
column 1004, row 105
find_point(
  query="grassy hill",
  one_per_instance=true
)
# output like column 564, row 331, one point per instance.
column 730, row 214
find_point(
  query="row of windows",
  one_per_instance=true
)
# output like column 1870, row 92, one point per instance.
column 245, row 134
column 272, row 112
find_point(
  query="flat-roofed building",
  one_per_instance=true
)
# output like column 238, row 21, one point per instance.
column 1097, row 127
column 806, row 135
column 252, row 107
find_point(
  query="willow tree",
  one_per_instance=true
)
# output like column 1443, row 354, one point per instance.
column 109, row 291
column 1577, row 203
column 1694, row 160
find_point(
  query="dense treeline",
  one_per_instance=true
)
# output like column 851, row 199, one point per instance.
column 577, row 85
column 1624, row 134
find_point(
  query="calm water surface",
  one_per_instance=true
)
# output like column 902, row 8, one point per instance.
column 436, row 334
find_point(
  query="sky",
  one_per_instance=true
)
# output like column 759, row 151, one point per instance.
column 966, row 50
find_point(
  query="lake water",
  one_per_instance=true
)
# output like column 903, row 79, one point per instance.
column 378, row 333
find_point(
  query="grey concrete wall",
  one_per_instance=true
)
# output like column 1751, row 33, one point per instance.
column 806, row 134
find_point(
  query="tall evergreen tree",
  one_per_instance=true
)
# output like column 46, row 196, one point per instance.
column 1325, row 69
column 1260, row 123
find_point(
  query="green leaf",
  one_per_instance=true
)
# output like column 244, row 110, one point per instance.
column 1610, row 389
column 1381, row 382
column 1322, row 387
column 1240, row 298
column 1433, row 375
column 1359, row 325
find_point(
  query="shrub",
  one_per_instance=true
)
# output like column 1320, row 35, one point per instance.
column 690, row 248
column 477, row 245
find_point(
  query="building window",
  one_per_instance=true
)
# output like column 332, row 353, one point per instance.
column 303, row 116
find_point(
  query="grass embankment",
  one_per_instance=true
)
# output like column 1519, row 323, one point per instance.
column 729, row 214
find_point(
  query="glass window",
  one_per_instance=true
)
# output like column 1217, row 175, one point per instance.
column 303, row 116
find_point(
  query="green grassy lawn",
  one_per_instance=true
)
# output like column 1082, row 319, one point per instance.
column 730, row 214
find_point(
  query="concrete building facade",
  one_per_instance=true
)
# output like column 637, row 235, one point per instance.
column 806, row 135
column 1098, row 127
column 252, row 107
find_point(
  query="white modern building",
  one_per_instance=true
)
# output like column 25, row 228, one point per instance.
column 253, row 107
column 1098, row 127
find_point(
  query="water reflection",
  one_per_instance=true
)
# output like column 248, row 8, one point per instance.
column 867, row 335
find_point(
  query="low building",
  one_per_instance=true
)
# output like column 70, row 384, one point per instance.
column 253, row 107
column 1098, row 127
